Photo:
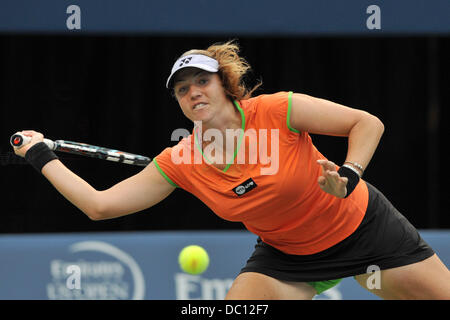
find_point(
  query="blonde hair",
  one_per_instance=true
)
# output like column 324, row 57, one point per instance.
column 232, row 68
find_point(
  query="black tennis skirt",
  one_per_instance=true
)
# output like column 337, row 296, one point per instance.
column 385, row 239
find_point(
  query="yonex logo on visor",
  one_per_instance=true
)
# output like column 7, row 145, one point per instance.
column 185, row 61
column 194, row 61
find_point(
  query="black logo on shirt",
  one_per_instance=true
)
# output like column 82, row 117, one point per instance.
column 245, row 187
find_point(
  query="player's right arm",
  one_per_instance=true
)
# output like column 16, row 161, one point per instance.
column 139, row 192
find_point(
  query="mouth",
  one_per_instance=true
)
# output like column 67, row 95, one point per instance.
column 199, row 106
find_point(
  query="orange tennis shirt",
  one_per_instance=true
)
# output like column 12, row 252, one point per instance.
column 280, row 202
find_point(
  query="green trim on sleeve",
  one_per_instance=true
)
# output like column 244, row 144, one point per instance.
column 163, row 174
column 288, row 118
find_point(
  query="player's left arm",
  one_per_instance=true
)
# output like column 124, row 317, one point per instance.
column 320, row 116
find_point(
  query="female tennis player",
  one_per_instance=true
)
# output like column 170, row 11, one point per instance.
column 317, row 222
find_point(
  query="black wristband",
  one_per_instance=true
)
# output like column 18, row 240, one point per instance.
column 38, row 155
column 353, row 179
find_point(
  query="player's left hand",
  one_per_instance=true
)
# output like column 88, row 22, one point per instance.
column 330, row 181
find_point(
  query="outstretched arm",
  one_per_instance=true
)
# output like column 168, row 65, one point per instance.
column 131, row 195
column 319, row 116
column 134, row 194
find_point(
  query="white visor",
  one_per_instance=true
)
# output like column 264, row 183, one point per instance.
column 194, row 61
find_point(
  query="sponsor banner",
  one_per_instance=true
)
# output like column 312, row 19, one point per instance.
column 140, row 265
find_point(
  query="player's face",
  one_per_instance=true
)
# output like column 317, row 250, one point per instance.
column 199, row 93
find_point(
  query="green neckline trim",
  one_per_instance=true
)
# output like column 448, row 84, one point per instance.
column 163, row 174
column 239, row 141
column 288, row 118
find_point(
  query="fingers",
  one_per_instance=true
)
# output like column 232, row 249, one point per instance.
column 322, row 181
column 330, row 181
column 28, row 133
column 31, row 133
column 332, row 178
column 327, row 165
column 34, row 135
column 35, row 138
column 329, row 171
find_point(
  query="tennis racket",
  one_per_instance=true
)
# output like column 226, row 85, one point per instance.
column 83, row 149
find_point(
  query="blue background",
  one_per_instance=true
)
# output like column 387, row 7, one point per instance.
column 26, row 259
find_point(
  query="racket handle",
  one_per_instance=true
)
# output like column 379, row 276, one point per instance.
column 18, row 140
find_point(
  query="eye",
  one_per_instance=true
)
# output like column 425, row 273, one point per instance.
column 203, row 80
column 181, row 90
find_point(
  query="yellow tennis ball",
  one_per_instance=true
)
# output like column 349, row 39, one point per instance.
column 193, row 259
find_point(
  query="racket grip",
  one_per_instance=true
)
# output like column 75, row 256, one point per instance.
column 18, row 140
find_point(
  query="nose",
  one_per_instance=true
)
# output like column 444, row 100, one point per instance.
column 194, row 92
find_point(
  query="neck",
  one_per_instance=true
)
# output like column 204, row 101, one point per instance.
column 229, row 117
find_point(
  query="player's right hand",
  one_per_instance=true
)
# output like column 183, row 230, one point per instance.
column 36, row 137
